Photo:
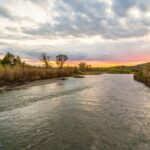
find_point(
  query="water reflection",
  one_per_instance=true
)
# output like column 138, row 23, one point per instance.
column 95, row 113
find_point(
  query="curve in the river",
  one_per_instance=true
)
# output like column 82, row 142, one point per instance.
column 103, row 112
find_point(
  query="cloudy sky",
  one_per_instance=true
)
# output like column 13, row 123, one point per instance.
column 101, row 32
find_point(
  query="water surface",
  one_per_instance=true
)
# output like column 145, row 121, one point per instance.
column 103, row 112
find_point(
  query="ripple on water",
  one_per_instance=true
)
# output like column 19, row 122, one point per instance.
column 101, row 112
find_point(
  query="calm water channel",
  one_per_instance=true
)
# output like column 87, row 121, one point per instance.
column 103, row 112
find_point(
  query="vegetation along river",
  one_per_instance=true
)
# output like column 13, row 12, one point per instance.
column 103, row 112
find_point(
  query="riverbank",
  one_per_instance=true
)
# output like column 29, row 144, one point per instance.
column 30, row 84
column 14, row 76
column 139, row 76
column 18, row 75
column 142, row 74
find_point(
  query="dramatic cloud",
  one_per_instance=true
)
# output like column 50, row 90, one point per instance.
column 96, row 30
column 4, row 13
column 121, row 7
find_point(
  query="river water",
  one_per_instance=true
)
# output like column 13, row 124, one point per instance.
column 103, row 112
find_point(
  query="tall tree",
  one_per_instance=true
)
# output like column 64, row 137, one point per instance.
column 8, row 59
column 60, row 60
column 46, row 60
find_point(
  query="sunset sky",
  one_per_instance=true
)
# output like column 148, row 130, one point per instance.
column 100, row 32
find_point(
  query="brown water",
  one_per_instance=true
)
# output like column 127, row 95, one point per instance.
column 104, row 112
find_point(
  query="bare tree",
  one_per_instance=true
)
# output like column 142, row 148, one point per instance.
column 60, row 60
column 46, row 60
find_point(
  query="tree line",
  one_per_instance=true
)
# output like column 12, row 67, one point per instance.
column 14, row 71
column 12, row 60
column 60, row 61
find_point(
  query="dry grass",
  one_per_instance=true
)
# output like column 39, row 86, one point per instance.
column 18, row 74
column 143, row 75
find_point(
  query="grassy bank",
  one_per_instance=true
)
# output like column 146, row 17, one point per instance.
column 143, row 74
column 14, row 75
column 18, row 75
column 139, row 76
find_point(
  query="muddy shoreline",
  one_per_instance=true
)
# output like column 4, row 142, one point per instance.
column 15, row 86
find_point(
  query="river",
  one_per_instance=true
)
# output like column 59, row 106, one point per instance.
column 98, row 112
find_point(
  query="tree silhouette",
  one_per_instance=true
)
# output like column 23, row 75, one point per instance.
column 60, row 60
column 46, row 60
column 8, row 59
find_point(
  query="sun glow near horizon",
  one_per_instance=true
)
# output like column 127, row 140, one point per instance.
column 75, row 63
